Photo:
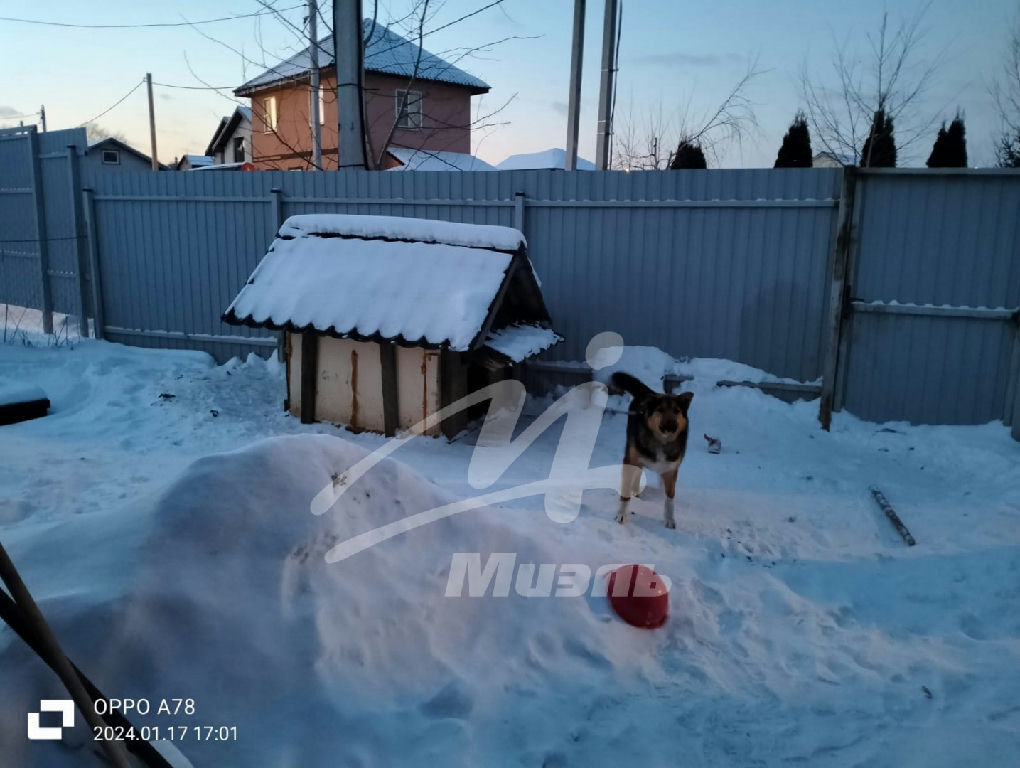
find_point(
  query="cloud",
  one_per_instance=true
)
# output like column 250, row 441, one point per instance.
column 6, row 111
column 674, row 60
column 560, row 107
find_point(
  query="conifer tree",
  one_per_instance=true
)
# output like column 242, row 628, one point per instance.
column 950, row 148
column 689, row 155
column 795, row 151
column 879, row 150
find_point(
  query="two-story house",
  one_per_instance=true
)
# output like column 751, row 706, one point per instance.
column 413, row 99
column 231, row 143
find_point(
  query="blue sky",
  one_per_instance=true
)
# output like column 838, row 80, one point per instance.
column 672, row 54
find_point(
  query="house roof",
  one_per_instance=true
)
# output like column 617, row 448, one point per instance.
column 226, row 128
column 195, row 161
column 111, row 143
column 414, row 281
column 436, row 160
column 386, row 52
column 555, row 158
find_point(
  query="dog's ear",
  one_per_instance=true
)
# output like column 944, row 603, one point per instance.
column 684, row 399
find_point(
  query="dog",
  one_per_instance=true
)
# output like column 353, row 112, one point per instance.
column 657, row 429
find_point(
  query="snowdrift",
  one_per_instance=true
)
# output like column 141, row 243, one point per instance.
column 361, row 662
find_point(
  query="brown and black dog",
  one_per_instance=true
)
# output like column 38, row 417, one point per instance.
column 656, row 440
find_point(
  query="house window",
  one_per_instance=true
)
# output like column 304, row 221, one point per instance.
column 111, row 157
column 269, row 115
column 408, row 109
column 239, row 149
column 322, row 108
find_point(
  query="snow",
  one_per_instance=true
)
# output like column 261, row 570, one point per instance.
column 417, row 291
column 519, row 342
column 169, row 543
column 550, row 158
column 436, row 160
column 401, row 228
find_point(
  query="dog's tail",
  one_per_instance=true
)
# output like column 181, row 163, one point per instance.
column 627, row 383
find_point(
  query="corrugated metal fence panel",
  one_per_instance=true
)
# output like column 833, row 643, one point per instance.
column 175, row 249
column 734, row 268
column 715, row 263
column 19, row 256
column 941, row 239
column 59, row 201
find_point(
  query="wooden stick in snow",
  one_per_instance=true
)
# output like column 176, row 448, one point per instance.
column 883, row 502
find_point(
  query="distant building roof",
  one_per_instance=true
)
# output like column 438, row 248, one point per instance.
column 195, row 161
column 111, row 143
column 549, row 158
column 830, row 160
column 386, row 52
column 432, row 160
column 415, row 281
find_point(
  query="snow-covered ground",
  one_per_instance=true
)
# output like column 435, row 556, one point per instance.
column 160, row 515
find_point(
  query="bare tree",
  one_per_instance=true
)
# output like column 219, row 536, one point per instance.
column 891, row 78
column 1006, row 93
column 650, row 142
column 95, row 132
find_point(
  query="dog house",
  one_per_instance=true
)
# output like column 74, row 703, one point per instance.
column 387, row 320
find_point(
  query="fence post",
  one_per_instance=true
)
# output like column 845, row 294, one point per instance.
column 838, row 284
column 89, row 206
column 519, row 212
column 277, row 203
column 74, row 171
column 40, row 232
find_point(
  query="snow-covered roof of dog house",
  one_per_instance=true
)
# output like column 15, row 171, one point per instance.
column 417, row 282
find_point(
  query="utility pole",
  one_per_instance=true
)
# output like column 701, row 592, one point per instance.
column 314, row 109
column 574, row 99
column 605, row 126
column 152, row 121
column 349, row 56
column 42, row 117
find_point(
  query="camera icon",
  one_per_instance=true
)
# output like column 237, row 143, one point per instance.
column 37, row 732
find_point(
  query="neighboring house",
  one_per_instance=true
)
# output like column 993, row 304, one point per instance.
column 829, row 160
column 192, row 162
column 413, row 99
column 550, row 158
column 428, row 160
column 231, row 144
column 114, row 155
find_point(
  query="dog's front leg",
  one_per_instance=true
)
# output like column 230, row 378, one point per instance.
column 669, row 483
column 629, row 480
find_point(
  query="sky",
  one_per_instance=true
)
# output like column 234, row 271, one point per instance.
column 676, row 58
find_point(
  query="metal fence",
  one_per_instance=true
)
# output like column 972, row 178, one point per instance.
column 729, row 263
column 931, row 335
column 740, row 264
column 43, row 257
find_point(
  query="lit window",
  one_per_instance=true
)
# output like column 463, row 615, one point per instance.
column 408, row 109
column 111, row 157
column 269, row 115
column 322, row 108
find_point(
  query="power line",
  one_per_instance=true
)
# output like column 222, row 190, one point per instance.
column 155, row 25
column 116, row 104
column 195, row 87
